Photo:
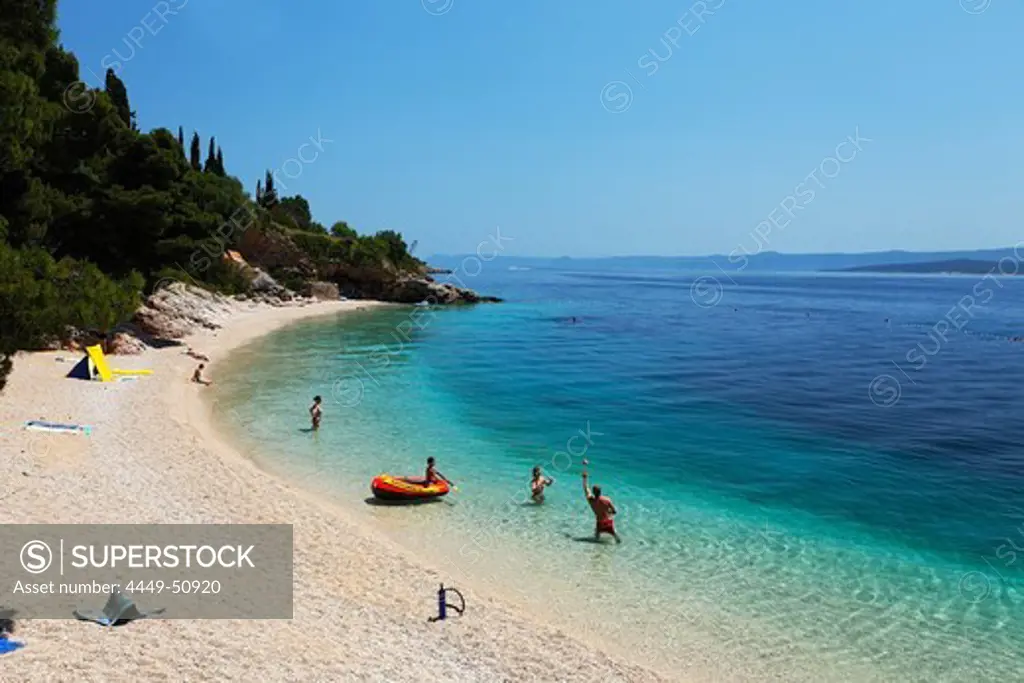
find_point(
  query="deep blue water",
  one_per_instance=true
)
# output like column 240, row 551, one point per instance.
column 827, row 469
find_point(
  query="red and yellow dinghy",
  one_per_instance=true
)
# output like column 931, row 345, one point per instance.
column 390, row 487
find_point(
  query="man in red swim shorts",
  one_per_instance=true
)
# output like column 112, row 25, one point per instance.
column 603, row 509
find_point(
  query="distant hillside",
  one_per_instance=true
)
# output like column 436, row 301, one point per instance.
column 768, row 261
column 964, row 266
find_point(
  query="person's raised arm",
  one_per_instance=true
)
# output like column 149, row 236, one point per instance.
column 586, row 489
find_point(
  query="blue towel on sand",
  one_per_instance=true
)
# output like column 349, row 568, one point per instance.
column 9, row 646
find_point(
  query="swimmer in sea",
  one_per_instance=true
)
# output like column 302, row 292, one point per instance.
column 537, row 485
column 603, row 508
column 316, row 412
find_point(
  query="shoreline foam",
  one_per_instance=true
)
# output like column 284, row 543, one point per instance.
column 154, row 456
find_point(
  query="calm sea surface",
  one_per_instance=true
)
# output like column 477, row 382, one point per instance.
column 818, row 475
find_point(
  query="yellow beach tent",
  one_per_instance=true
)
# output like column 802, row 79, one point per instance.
column 95, row 364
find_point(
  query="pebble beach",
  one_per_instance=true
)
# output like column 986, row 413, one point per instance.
column 154, row 456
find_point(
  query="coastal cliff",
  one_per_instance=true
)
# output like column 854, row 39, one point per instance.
column 178, row 310
column 299, row 259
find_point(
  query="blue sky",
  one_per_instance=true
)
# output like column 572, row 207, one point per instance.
column 451, row 117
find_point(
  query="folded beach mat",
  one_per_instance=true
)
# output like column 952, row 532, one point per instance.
column 43, row 426
column 120, row 609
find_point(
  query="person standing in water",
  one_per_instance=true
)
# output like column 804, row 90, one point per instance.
column 538, row 483
column 316, row 412
column 603, row 509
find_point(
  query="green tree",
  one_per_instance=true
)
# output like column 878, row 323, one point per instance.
column 269, row 193
column 181, row 138
column 220, row 162
column 394, row 247
column 40, row 297
column 295, row 210
column 119, row 96
column 342, row 229
column 195, row 153
column 211, row 157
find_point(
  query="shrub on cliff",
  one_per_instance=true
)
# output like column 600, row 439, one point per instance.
column 40, row 297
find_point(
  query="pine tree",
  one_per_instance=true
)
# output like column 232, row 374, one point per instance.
column 220, row 163
column 211, row 158
column 195, row 153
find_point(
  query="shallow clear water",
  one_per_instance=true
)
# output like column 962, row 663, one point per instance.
column 803, row 485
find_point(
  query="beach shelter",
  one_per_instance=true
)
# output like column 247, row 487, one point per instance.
column 95, row 364
column 84, row 369
column 100, row 361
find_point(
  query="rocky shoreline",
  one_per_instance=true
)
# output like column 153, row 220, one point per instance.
column 178, row 310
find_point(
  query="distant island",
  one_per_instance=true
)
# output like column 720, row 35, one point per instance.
column 749, row 260
column 954, row 266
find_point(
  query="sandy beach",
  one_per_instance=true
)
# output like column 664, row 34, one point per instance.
column 361, row 601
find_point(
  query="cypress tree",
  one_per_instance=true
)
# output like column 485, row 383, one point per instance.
column 269, row 193
column 220, row 162
column 211, row 158
column 181, row 138
column 195, row 153
column 119, row 96
column 259, row 193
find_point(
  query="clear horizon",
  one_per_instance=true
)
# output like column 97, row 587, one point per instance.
column 765, row 252
column 590, row 130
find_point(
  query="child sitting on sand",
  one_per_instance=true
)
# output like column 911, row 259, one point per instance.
column 197, row 376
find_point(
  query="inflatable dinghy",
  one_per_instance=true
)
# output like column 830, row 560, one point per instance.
column 389, row 487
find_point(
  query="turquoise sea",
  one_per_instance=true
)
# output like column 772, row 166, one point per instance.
column 819, row 476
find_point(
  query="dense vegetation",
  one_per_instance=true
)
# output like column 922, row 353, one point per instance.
column 94, row 211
